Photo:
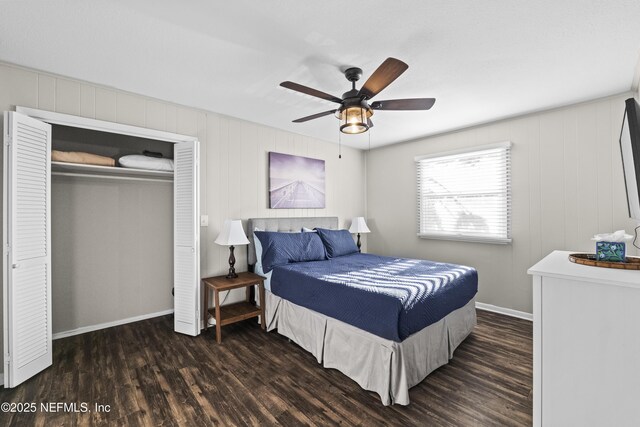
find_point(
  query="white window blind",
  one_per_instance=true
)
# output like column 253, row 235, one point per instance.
column 466, row 195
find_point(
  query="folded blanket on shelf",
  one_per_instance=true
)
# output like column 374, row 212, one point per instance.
column 81, row 157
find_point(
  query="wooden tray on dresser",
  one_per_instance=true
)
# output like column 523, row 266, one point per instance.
column 631, row 263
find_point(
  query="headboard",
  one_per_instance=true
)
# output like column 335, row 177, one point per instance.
column 285, row 225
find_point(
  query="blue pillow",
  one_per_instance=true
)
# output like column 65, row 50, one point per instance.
column 258, row 247
column 285, row 248
column 337, row 242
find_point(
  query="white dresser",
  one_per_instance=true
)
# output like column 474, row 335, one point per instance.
column 586, row 344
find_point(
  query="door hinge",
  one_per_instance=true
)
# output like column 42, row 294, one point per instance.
column 7, row 140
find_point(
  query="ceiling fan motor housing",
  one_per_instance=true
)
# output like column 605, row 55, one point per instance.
column 354, row 102
column 353, row 74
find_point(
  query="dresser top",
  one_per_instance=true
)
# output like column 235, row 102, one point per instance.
column 557, row 264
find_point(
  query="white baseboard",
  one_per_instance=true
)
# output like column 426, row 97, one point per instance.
column 85, row 329
column 506, row 311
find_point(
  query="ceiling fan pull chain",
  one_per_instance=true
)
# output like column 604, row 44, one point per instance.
column 339, row 144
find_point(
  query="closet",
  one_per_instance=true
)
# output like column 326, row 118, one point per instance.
column 30, row 135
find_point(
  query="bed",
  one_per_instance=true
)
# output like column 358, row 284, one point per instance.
column 384, row 322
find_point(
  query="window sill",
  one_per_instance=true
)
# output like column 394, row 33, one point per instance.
column 467, row 239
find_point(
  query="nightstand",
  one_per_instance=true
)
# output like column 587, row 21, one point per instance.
column 233, row 313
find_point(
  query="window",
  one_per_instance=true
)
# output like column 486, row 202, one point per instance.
column 466, row 195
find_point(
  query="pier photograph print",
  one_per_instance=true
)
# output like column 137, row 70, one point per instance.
column 295, row 182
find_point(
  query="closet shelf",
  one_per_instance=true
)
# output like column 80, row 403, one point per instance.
column 108, row 172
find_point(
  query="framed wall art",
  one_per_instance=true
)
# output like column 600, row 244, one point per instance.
column 295, row 182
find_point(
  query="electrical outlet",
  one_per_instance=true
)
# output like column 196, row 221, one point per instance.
column 204, row 220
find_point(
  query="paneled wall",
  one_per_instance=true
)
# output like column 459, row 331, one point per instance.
column 567, row 186
column 234, row 181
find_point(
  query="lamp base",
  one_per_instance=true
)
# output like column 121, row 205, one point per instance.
column 232, row 262
column 359, row 245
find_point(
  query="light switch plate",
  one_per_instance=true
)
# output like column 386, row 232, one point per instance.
column 204, row 220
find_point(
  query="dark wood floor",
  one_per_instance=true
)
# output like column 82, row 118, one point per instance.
column 149, row 375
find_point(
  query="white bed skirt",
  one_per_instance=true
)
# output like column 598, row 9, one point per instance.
column 386, row 367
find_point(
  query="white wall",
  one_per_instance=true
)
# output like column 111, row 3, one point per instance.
column 567, row 186
column 234, row 184
column 567, row 182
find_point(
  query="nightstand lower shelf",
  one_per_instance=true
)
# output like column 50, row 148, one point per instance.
column 233, row 312
column 236, row 312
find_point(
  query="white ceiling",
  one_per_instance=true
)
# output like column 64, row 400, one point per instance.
column 482, row 60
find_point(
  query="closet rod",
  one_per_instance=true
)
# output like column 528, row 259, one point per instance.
column 121, row 178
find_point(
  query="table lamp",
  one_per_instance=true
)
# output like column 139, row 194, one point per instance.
column 358, row 225
column 230, row 235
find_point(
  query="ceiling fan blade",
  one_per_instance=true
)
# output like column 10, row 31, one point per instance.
column 404, row 104
column 310, row 91
column 314, row 116
column 386, row 73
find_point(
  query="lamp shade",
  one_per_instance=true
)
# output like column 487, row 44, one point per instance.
column 358, row 225
column 232, row 234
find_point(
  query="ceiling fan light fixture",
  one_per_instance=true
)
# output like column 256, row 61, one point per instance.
column 353, row 119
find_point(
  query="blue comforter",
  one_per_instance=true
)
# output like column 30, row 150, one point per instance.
column 389, row 297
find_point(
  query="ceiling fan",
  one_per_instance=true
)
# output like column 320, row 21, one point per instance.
column 355, row 111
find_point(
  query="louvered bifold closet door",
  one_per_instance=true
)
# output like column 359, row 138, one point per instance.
column 186, row 239
column 27, row 241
